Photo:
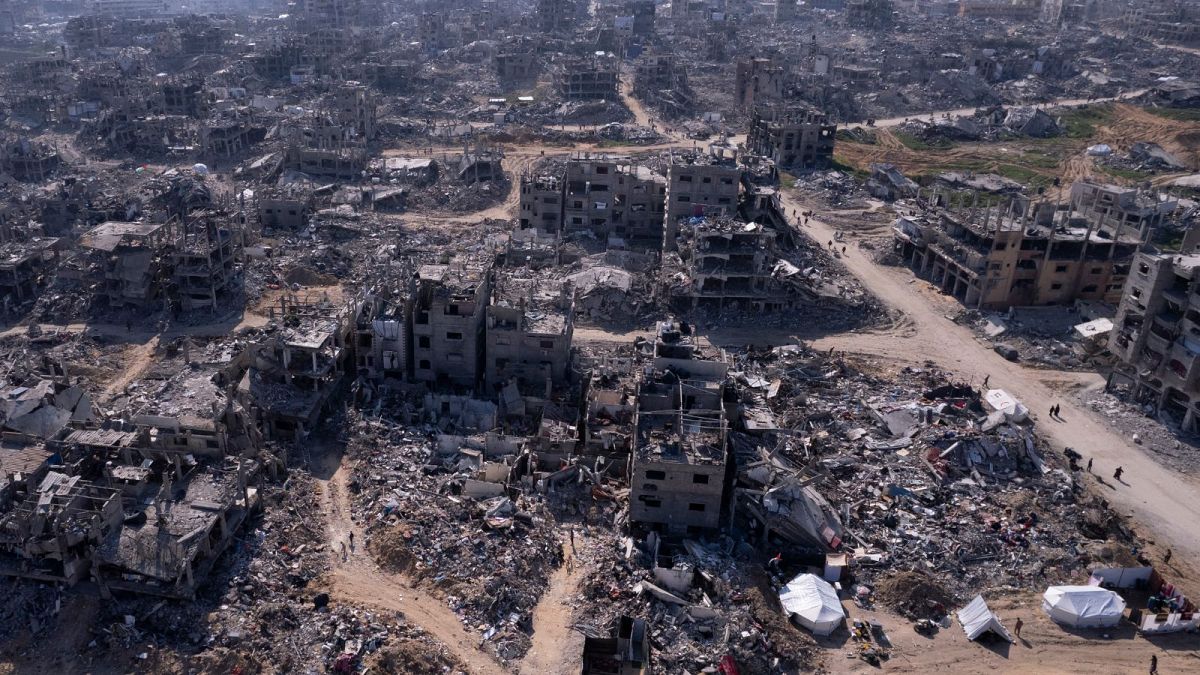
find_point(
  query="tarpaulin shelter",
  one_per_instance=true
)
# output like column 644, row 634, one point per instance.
column 814, row 603
column 977, row 619
column 1083, row 606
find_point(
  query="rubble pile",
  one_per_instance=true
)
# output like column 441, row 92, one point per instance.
column 1141, row 421
column 726, row 612
column 935, row 476
column 490, row 557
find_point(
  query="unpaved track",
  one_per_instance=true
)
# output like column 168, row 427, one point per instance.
column 358, row 580
column 557, row 648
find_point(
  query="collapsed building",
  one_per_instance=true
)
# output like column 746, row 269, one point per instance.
column 794, row 137
column 590, row 78
column 1026, row 252
column 1156, row 336
column 661, row 81
column 288, row 378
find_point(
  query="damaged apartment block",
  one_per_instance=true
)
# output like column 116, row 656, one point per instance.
column 1023, row 252
column 587, row 78
column 530, row 322
column 143, row 504
column 793, row 136
column 1156, row 334
column 448, row 323
column 292, row 374
column 680, row 463
column 661, row 80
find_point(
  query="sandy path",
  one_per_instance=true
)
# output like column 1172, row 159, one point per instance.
column 358, row 580
column 556, row 648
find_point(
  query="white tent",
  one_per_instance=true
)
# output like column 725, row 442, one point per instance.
column 1083, row 606
column 814, row 603
column 976, row 619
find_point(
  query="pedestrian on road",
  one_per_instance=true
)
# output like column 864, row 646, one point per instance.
column 1167, row 557
column 1118, row 472
column 843, row 250
column 1052, row 412
column 572, row 531
column 1090, row 464
column 343, row 550
column 1018, row 626
column 351, row 540
column 985, row 380
column 1154, row 664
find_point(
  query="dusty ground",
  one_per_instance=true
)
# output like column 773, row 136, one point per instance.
column 1044, row 647
column 1048, row 159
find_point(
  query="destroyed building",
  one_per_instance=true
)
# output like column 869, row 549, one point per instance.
column 127, row 265
column 1027, row 252
column 448, row 315
column 529, row 328
column 661, row 80
column 609, row 198
column 202, row 262
column 381, row 336
column 28, row 160
column 587, row 78
column 758, row 81
column 698, row 184
column 794, row 137
column 1156, row 335
column 678, row 465
column 294, row 372
column 26, row 267
column 730, row 263
column 1174, row 21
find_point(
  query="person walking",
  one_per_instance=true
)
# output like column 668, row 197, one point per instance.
column 1090, row 464
column 572, row 531
column 1018, row 626
column 1118, row 472
column 1167, row 557
column 1052, row 409
column 1154, row 664
column 985, row 380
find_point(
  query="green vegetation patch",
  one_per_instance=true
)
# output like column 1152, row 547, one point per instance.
column 1082, row 122
column 1180, row 114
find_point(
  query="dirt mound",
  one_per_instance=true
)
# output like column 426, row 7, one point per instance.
column 309, row 277
column 915, row 595
column 389, row 548
column 420, row 658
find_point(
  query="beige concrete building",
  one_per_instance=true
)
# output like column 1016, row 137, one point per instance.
column 1031, row 253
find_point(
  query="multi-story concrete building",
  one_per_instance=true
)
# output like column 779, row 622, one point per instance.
column 730, row 263
column 354, row 106
column 530, row 323
column 541, row 203
column 448, row 323
column 680, row 455
column 758, row 81
column 1156, row 335
column 1026, row 253
column 613, row 199
column 589, row 78
column 794, row 137
column 700, row 183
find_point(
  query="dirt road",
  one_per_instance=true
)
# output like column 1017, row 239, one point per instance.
column 1162, row 502
column 557, row 648
column 357, row 579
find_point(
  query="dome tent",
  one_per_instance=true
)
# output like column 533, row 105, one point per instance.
column 1083, row 606
column 814, row 603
